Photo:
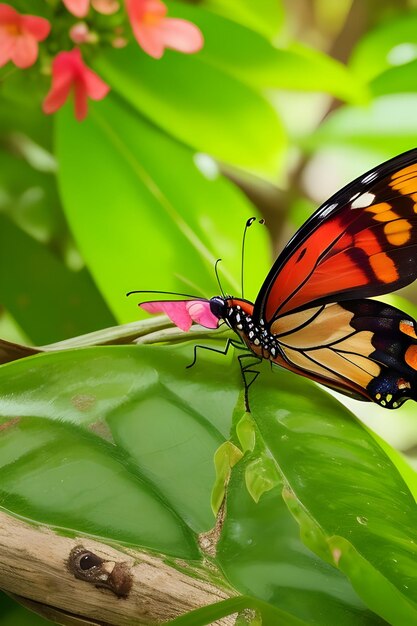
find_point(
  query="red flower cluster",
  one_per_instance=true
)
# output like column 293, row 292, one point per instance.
column 152, row 29
column 19, row 36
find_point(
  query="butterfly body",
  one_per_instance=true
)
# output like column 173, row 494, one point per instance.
column 238, row 315
column 313, row 314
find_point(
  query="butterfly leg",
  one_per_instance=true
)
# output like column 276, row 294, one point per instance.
column 229, row 343
column 245, row 369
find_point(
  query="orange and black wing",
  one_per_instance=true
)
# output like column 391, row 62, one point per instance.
column 362, row 242
column 363, row 348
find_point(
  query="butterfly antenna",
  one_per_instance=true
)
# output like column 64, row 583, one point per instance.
column 248, row 223
column 218, row 278
column 167, row 293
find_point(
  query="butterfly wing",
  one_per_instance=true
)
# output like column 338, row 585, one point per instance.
column 362, row 242
column 363, row 348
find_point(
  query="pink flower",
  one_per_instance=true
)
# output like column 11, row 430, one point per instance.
column 184, row 312
column 19, row 36
column 154, row 32
column 80, row 8
column 70, row 73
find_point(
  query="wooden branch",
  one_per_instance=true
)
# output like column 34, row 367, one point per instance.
column 83, row 581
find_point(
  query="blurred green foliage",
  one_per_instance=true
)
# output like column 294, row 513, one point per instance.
column 285, row 103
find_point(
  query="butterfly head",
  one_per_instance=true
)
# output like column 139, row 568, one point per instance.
column 218, row 306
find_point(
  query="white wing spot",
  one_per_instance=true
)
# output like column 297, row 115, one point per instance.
column 363, row 201
column 370, row 177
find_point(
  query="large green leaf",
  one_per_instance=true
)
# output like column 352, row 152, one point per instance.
column 352, row 504
column 35, row 286
column 132, row 218
column 251, row 58
column 200, row 105
column 124, row 437
column 132, row 426
column 261, row 553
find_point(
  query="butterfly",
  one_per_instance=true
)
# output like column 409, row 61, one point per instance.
column 313, row 314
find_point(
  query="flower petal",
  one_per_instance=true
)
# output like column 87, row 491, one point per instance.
column 181, row 35
column 200, row 313
column 145, row 17
column 7, row 44
column 95, row 87
column 58, row 94
column 79, row 8
column 8, row 15
column 80, row 100
column 176, row 311
column 25, row 51
column 149, row 39
column 155, row 9
column 136, row 10
column 39, row 27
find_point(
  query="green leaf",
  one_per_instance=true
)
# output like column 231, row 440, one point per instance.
column 261, row 553
column 11, row 614
column 265, row 16
column 133, row 219
column 252, row 613
column 199, row 105
column 367, row 525
column 118, row 442
column 260, row 476
column 391, row 45
column 396, row 80
column 49, row 301
column 248, row 56
column 225, row 457
column 386, row 57
column 245, row 431
column 388, row 125
column 58, row 444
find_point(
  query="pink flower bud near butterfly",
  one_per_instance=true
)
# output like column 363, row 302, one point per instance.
column 71, row 75
column 19, row 36
column 154, row 31
column 184, row 312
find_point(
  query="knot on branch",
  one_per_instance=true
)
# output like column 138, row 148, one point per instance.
column 88, row 566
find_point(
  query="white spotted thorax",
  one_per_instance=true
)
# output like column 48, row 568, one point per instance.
column 255, row 335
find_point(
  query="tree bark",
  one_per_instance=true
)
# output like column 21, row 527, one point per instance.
column 83, row 581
